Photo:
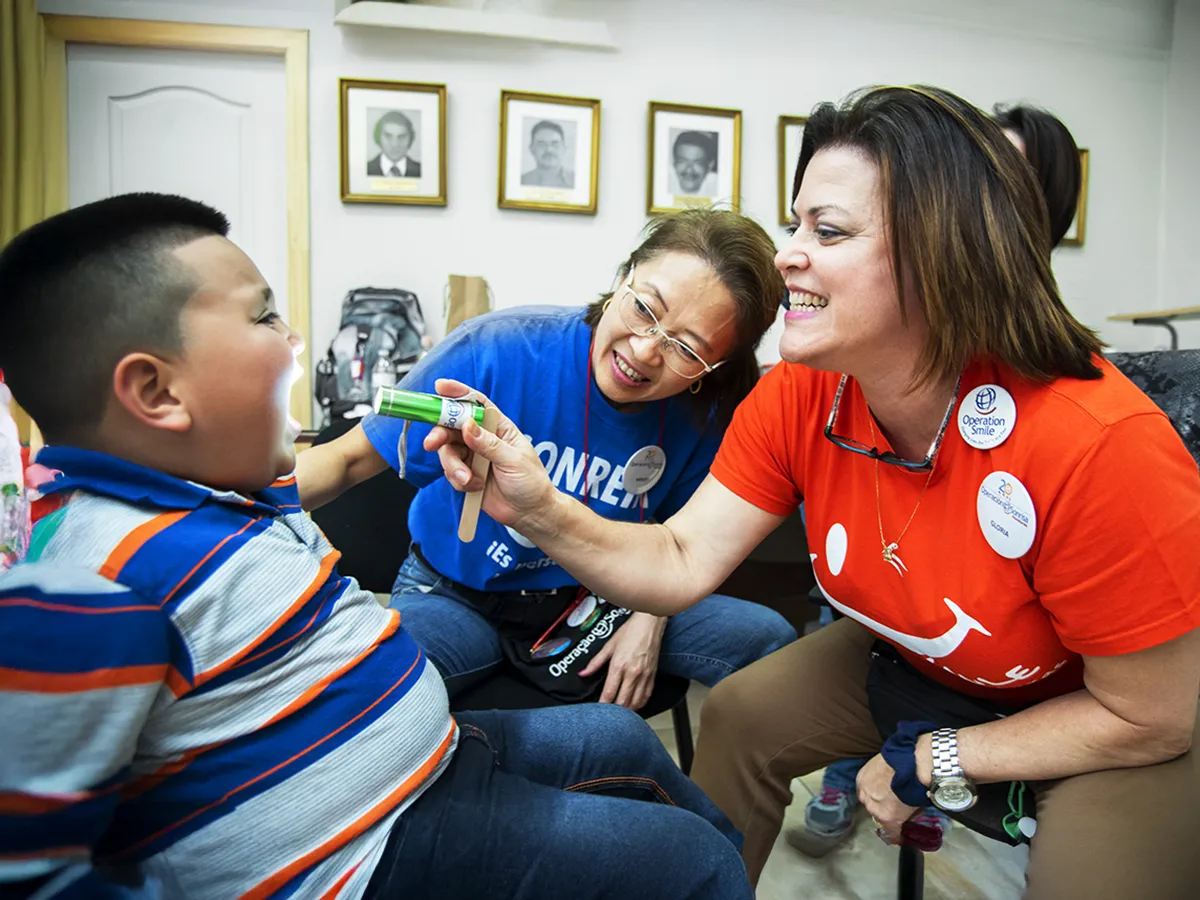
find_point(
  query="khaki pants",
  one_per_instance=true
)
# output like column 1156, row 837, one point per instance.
column 1132, row 834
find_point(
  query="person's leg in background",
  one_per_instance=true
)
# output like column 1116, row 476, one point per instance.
column 1119, row 834
column 720, row 635
column 793, row 712
column 580, row 800
column 462, row 645
column 829, row 816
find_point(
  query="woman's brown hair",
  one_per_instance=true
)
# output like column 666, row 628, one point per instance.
column 970, row 233
column 742, row 255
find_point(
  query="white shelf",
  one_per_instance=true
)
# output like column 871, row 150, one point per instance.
column 513, row 25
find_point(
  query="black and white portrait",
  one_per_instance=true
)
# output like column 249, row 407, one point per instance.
column 693, row 162
column 395, row 144
column 392, row 136
column 789, row 136
column 693, row 158
column 551, row 154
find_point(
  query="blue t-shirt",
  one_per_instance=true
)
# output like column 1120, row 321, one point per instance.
column 532, row 363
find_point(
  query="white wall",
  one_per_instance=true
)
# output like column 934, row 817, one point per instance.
column 1100, row 64
column 1181, row 171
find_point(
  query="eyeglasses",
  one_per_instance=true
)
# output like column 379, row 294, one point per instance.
column 887, row 456
column 639, row 318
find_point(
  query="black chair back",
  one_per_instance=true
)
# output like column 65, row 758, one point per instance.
column 368, row 523
column 1171, row 378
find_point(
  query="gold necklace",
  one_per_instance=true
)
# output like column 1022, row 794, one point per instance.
column 889, row 549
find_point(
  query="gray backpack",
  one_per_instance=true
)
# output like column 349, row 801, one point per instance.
column 381, row 336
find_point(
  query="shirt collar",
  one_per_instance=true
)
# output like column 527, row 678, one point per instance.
column 100, row 473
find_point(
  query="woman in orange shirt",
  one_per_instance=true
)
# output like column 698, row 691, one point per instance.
column 1006, row 523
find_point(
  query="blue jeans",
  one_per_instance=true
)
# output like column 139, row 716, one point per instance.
column 577, row 801
column 704, row 643
column 843, row 776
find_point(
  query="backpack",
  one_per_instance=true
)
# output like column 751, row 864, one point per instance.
column 380, row 338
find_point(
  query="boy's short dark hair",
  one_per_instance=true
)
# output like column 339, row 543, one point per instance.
column 84, row 288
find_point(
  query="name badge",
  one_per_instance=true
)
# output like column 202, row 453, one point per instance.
column 644, row 469
column 986, row 416
column 1006, row 514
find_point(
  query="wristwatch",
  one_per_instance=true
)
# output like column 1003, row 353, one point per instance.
column 950, row 789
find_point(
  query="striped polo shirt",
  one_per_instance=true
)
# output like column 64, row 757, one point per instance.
column 190, row 691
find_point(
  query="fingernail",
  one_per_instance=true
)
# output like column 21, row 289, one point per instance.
column 463, row 477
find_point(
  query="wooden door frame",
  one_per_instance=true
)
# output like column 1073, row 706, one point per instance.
column 291, row 44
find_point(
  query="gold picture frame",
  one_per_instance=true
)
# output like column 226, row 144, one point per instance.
column 1077, row 232
column 788, row 140
column 710, row 174
column 547, row 142
column 398, row 113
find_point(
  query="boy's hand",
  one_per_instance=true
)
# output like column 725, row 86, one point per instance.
column 518, row 486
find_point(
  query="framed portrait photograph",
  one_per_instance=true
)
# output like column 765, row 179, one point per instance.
column 1075, row 234
column 791, row 132
column 694, row 158
column 549, row 152
column 393, row 142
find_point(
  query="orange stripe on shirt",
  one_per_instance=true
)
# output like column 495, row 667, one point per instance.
column 161, row 774
column 377, row 812
column 135, row 540
column 288, row 481
column 209, row 555
column 271, row 771
column 327, row 563
column 337, row 886
column 43, row 852
column 78, row 682
column 61, row 607
column 17, row 803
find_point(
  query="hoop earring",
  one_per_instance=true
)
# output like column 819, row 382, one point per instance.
column 695, row 388
column 607, row 302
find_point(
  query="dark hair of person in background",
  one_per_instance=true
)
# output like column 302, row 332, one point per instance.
column 742, row 255
column 547, row 125
column 1052, row 152
column 962, row 225
column 695, row 139
column 393, row 117
column 59, row 354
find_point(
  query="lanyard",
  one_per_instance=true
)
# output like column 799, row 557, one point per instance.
column 587, row 415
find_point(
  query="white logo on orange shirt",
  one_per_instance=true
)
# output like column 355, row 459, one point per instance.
column 836, row 544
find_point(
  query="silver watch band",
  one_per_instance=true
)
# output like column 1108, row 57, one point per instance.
column 944, row 742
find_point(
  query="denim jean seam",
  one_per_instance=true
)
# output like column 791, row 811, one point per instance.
column 474, row 731
column 587, row 787
column 710, row 660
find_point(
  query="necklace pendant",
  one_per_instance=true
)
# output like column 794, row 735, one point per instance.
column 889, row 551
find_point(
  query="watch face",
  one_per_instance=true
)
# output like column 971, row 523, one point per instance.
column 954, row 795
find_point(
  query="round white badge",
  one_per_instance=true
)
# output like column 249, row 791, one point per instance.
column 986, row 416
column 644, row 469
column 1006, row 515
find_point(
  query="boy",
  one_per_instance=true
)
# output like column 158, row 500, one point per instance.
column 192, row 697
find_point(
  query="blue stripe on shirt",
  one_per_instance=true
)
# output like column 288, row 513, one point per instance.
column 72, row 642
column 155, row 819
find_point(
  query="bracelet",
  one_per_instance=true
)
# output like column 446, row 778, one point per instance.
column 900, row 752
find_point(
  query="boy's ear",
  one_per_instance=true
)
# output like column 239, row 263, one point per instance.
column 145, row 386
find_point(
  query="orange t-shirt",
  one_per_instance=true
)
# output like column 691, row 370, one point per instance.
column 1113, row 566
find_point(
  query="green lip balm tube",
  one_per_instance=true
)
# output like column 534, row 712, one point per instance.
column 428, row 408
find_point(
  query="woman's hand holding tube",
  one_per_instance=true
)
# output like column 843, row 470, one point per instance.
column 518, row 486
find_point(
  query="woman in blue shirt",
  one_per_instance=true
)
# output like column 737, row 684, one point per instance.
column 661, row 362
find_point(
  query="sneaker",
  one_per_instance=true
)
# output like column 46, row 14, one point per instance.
column 828, row 820
column 926, row 830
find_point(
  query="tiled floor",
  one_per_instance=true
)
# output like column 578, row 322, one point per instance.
column 968, row 867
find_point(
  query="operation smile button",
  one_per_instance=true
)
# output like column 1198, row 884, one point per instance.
column 986, row 416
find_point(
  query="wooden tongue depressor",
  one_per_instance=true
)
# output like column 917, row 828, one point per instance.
column 480, row 466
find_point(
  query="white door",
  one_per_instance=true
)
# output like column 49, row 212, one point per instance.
column 209, row 126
